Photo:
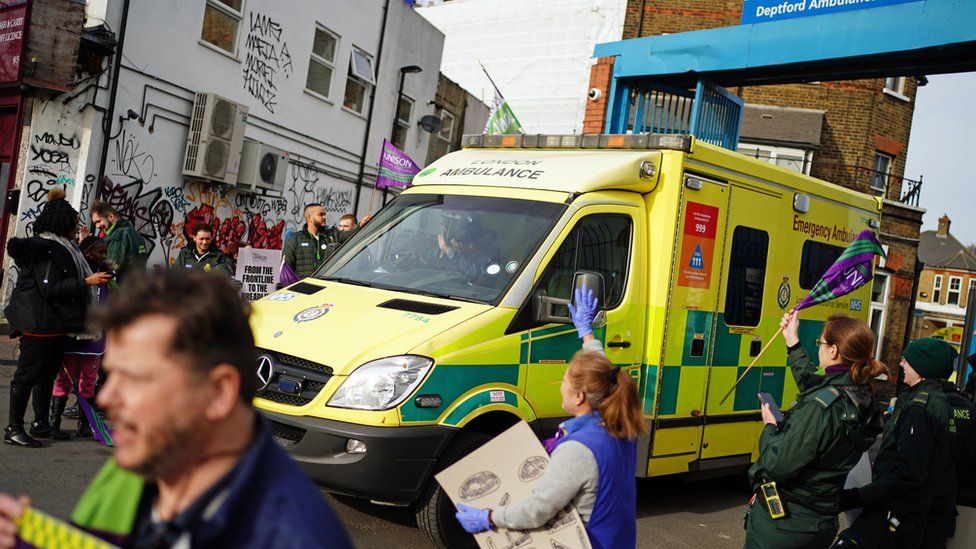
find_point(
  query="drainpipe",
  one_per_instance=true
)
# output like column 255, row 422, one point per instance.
column 369, row 115
column 110, row 111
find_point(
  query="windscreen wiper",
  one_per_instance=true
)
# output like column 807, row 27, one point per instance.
column 346, row 280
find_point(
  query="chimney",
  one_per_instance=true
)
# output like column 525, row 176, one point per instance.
column 944, row 223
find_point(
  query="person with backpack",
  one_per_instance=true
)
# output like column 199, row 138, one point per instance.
column 804, row 460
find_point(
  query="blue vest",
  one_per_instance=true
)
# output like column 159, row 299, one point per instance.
column 613, row 523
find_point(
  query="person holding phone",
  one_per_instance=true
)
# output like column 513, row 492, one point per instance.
column 804, row 459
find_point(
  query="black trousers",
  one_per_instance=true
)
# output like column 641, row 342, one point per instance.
column 38, row 366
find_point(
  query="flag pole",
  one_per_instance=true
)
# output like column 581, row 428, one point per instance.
column 371, row 195
column 761, row 353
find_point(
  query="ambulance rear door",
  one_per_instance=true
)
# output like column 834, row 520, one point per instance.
column 683, row 369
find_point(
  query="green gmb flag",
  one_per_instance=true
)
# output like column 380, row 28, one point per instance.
column 501, row 119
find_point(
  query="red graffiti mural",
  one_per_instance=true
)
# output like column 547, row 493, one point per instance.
column 229, row 233
column 263, row 236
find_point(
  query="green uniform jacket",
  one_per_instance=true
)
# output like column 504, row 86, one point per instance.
column 304, row 253
column 127, row 248
column 819, row 442
column 914, row 461
column 214, row 260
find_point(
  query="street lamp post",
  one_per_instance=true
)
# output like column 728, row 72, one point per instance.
column 409, row 69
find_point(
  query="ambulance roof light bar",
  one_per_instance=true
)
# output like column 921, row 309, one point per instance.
column 586, row 141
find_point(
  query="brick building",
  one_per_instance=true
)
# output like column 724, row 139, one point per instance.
column 944, row 285
column 852, row 133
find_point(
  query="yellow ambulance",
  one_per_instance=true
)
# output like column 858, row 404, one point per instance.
column 443, row 321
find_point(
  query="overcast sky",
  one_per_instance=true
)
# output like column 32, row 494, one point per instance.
column 941, row 149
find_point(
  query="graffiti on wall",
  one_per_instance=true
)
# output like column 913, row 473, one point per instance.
column 132, row 160
column 306, row 188
column 52, row 162
column 266, row 57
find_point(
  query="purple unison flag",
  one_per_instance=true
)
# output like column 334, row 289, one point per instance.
column 396, row 168
column 101, row 432
column 852, row 270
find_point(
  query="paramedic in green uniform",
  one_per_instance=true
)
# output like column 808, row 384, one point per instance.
column 834, row 420
column 914, row 467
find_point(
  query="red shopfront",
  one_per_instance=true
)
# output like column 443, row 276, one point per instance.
column 12, row 24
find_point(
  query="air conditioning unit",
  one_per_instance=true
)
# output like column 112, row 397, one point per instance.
column 262, row 166
column 213, row 145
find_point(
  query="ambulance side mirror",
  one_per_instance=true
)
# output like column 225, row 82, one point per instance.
column 544, row 305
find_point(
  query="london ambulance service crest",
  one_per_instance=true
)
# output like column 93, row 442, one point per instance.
column 783, row 296
column 312, row 313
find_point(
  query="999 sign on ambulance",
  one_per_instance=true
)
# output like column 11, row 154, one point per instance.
column 443, row 321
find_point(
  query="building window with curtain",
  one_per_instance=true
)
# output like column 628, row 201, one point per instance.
column 222, row 23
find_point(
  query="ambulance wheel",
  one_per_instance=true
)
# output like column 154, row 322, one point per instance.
column 434, row 510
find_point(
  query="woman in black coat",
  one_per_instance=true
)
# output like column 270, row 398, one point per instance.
column 49, row 302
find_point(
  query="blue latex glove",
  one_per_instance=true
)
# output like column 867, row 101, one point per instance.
column 472, row 519
column 583, row 310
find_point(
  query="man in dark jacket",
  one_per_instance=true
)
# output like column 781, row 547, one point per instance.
column 202, row 254
column 914, row 468
column 194, row 464
column 307, row 249
column 49, row 301
column 127, row 249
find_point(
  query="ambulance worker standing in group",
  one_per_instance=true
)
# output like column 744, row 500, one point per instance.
column 595, row 453
column 834, row 420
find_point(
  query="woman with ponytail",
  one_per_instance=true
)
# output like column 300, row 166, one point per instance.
column 594, row 454
column 833, row 422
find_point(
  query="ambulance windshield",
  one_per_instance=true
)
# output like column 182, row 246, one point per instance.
column 468, row 248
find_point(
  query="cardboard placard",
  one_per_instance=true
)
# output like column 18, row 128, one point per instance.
column 258, row 270
column 503, row 472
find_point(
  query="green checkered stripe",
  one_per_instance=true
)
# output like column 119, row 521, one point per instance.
column 727, row 349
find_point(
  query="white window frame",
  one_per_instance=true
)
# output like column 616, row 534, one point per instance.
column 887, row 172
column 402, row 122
column 957, row 291
column 895, row 87
column 880, row 308
column 239, row 16
column 353, row 74
column 330, row 63
column 937, row 289
column 447, row 122
column 771, row 154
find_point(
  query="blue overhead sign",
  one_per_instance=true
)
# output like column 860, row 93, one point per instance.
column 763, row 11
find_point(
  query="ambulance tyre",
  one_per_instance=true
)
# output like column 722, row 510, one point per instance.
column 434, row 510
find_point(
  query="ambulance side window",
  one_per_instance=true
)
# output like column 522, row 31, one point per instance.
column 816, row 259
column 598, row 243
column 747, row 275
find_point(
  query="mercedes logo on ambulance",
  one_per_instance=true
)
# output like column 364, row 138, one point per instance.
column 265, row 371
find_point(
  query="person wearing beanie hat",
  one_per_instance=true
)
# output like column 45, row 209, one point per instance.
column 54, row 287
column 913, row 473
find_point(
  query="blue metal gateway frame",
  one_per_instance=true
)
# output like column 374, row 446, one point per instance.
column 710, row 113
column 653, row 76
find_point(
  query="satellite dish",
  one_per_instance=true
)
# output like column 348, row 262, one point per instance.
column 431, row 123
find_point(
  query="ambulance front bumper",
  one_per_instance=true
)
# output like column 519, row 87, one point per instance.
column 394, row 468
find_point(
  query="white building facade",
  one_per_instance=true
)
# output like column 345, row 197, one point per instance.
column 305, row 71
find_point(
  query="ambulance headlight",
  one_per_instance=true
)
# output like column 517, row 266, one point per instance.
column 382, row 384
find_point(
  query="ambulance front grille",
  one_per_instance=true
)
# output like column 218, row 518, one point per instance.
column 287, row 436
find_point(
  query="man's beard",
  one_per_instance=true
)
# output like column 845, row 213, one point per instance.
column 170, row 451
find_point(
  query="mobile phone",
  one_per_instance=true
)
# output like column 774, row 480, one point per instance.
column 767, row 398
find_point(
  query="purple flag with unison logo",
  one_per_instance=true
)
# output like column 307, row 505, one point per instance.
column 852, row 270
column 396, row 168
